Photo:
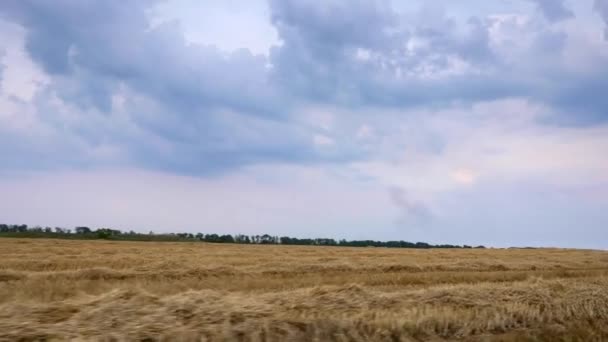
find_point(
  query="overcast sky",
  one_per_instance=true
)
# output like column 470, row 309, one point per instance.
column 473, row 121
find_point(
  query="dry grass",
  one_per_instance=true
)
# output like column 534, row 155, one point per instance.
column 114, row 291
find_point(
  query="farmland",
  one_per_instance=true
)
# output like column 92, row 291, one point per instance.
column 109, row 290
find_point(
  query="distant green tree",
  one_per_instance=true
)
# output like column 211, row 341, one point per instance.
column 266, row 239
column 108, row 233
column 83, row 230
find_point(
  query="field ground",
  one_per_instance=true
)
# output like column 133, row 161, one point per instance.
column 114, row 291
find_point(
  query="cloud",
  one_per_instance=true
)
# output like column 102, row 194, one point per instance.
column 322, row 47
column 186, row 107
column 1, row 68
column 365, row 132
column 601, row 6
column 464, row 176
column 322, row 140
column 489, row 143
column 93, row 46
column 326, row 57
column 120, row 90
column 413, row 212
column 554, row 10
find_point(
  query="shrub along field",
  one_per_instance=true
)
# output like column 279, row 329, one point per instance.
column 110, row 290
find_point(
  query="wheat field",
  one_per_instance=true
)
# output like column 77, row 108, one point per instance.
column 162, row 291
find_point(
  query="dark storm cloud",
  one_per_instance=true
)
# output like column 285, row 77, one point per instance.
column 355, row 53
column 322, row 42
column 554, row 10
column 193, row 108
column 93, row 48
column 99, row 43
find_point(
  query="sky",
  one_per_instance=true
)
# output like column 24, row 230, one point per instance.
column 465, row 122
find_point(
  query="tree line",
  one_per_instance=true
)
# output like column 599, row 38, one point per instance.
column 83, row 232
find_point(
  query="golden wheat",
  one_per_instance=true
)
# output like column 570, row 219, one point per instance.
column 114, row 291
